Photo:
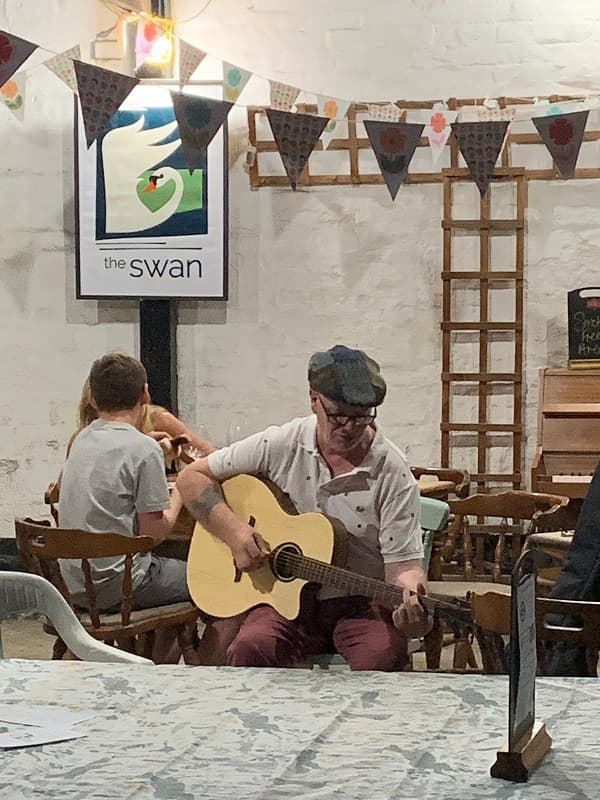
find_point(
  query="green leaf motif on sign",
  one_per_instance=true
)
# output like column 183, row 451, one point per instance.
column 154, row 198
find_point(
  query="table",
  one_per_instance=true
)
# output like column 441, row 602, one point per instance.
column 439, row 490
column 184, row 733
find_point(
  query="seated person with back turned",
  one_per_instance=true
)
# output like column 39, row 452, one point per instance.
column 114, row 482
column 155, row 421
column 335, row 461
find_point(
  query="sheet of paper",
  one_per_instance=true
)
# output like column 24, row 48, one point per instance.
column 32, row 736
column 40, row 715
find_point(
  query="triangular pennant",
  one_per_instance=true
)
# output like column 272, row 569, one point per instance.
column 190, row 58
column 383, row 112
column 335, row 110
column 234, row 80
column 101, row 92
column 438, row 130
column 12, row 94
column 295, row 136
column 199, row 119
column 283, row 96
column 62, row 66
column 563, row 134
column 480, row 144
column 394, row 144
column 13, row 52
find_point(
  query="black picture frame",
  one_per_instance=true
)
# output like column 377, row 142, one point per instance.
column 80, row 295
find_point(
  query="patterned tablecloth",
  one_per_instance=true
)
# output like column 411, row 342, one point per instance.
column 182, row 733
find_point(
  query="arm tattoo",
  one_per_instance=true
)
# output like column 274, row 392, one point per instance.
column 202, row 506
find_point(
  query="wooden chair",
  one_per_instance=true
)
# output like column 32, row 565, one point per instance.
column 41, row 547
column 491, row 612
column 540, row 511
column 449, row 481
column 556, row 544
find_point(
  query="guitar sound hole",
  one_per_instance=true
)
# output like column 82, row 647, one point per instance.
column 282, row 561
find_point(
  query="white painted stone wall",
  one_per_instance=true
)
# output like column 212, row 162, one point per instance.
column 309, row 269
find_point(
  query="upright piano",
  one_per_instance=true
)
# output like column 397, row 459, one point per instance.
column 568, row 438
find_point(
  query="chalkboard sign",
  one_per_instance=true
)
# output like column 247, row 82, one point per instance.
column 584, row 327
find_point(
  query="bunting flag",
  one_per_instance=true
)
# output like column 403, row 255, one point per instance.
column 334, row 110
column 295, row 136
column 438, row 130
column 13, row 53
column 63, row 67
column 394, row 145
column 101, row 92
column 563, row 134
column 480, row 144
column 388, row 112
column 283, row 96
column 199, row 119
column 12, row 94
column 190, row 58
column 234, row 81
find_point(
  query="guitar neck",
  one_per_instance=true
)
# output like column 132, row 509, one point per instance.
column 329, row 575
column 314, row 571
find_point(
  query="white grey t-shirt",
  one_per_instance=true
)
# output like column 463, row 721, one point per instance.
column 378, row 502
column 113, row 472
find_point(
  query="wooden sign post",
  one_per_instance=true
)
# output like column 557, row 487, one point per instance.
column 528, row 741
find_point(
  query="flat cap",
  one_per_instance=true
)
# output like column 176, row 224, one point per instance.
column 346, row 376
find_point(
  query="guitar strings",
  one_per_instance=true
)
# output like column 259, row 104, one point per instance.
column 291, row 559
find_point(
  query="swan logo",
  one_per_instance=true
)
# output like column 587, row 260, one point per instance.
column 143, row 187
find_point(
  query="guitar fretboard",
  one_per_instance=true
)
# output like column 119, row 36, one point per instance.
column 309, row 569
column 329, row 575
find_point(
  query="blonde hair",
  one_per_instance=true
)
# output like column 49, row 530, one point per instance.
column 86, row 412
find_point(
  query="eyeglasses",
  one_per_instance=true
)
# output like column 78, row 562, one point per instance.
column 343, row 419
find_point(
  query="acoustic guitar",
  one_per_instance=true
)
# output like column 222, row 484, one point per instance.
column 302, row 547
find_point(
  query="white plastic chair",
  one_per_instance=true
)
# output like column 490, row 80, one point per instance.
column 24, row 593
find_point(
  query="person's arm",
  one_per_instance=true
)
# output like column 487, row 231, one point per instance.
column 156, row 512
column 401, row 543
column 172, row 426
column 203, row 498
column 158, row 524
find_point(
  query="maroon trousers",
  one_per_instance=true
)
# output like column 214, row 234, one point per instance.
column 360, row 630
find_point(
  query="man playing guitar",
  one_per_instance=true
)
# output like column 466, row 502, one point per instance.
column 335, row 461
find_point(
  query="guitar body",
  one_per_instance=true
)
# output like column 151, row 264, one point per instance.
column 215, row 584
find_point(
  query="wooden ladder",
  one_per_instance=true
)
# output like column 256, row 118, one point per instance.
column 485, row 381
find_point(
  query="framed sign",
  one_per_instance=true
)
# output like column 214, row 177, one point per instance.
column 147, row 226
